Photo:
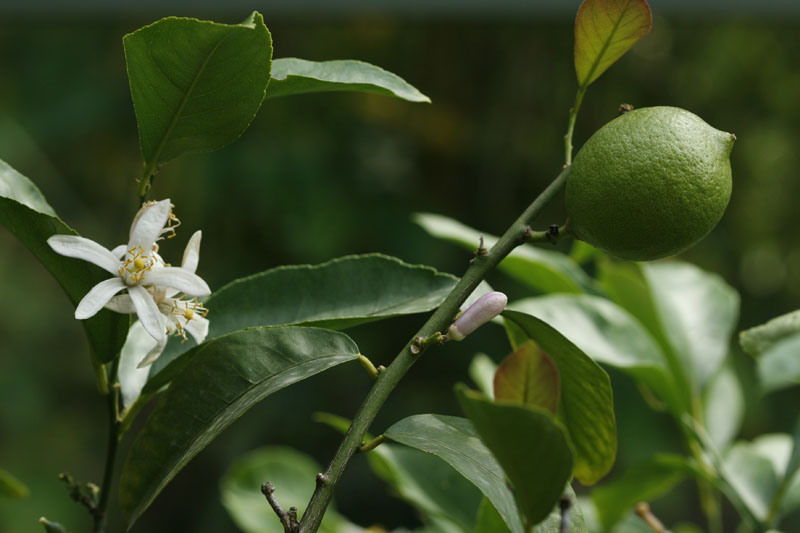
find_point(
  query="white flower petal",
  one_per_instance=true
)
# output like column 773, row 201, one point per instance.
column 121, row 304
column 86, row 249
column 119, row 251
column 148, row 313
column 151, row 357
column 191, row 255
column 197, row 328
column 99, row 296
column 138, row 344
column 179, row 278
column 148, row 225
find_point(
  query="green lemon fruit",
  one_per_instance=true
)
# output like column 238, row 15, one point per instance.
column 650, row 183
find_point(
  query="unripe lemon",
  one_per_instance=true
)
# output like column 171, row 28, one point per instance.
column 650, row 183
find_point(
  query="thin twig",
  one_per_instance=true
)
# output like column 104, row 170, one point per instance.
column 644, row 512
column 289, row 520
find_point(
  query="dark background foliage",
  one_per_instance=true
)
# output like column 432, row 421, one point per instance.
column 320, row 176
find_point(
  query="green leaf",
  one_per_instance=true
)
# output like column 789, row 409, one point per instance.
column 606, row 333
column 455, row 441
column 723, row 405
column 28, row 216
column 646, row 481
column 698, row 312
column 228, row 375
column 297, row 76
column 489, row 520
column 752, row 476
column 338, row 294
column 528, row 376
column 439, row 492
column 587, row 405
column 196, row 85
column 532, row 448
column 604, row 31
column 776, row 345
column 481, row 371
column 779, row 366
column 11, row 487
column 539, row 269
column 760, row 339
column 291, row 472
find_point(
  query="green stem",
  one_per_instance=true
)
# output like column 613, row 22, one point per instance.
column 100, row 519
column 573, row 115
column 144, row 182
column 440, row 320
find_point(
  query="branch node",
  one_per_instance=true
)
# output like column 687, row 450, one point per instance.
column 552, row 233
column 322, row 479
column 371, row 445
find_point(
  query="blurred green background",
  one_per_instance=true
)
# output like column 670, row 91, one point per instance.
column 320, row 176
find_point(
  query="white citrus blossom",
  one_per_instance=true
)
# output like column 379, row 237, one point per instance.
column 138, row 269
column 178, row 314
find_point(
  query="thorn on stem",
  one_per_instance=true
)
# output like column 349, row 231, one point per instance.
column 480, row 251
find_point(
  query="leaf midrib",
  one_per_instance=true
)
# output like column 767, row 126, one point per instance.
column 606, row 45
column 153, row 163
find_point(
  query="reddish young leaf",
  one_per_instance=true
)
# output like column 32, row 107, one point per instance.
column 530, row 377
column 604, row 31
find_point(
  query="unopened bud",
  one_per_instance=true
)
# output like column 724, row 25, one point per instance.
column 479, row 313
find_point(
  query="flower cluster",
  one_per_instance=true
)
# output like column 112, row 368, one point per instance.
column 162, row 296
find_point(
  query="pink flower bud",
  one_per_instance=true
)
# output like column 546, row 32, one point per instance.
column 482, row 311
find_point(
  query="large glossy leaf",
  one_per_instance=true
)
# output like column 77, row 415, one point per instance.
column 27, row 215
column 604, row 31
column 227, row 376
column 646, row 481
column 297, row 76
column 528, row 376
column 698, row 312
column 11, row 487
column 455, row 441
column 338, row 294
column 196, row 85
column 440, row 493
column 532, row 448
column 608, row 334
column 292, row 474
column 689, row 312
column 538, row 268
column 587, row 405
